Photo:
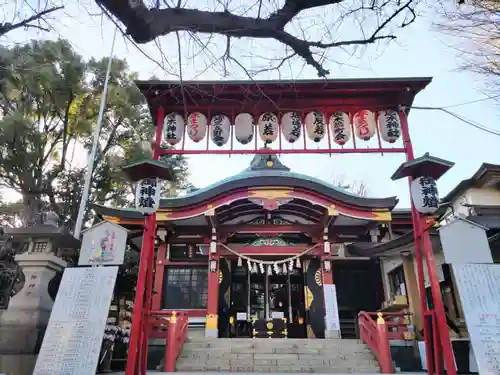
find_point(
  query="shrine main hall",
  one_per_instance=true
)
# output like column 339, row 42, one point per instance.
column 284, row 248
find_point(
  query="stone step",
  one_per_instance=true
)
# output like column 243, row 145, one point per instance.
column 277, row 362
column 276, row 356
column 231, row 355
column 279, row 369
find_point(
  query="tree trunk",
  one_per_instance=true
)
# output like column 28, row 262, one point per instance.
column 33, row 208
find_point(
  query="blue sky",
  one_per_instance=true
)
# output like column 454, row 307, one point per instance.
column 419, row 51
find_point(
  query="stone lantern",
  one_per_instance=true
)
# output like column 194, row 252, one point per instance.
column 23, row 323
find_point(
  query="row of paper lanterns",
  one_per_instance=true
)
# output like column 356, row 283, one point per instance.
column 364, row 123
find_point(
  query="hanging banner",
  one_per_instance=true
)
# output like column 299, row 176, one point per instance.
column 73, row 338
column 332, row 310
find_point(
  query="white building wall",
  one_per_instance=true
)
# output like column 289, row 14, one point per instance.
column 387, row 264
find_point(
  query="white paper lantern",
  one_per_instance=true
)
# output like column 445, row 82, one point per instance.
column 197, row 126
column 315, row 126
column 244, row 128
column 173, row 128
column 424, row 194
column 268, row 127
column 147, row 196
column 340, row 123
column 291, row 126
column 364, row 124
column 220, row 129
column 389, row 125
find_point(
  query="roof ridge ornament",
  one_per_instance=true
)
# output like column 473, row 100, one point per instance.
column 266, row 161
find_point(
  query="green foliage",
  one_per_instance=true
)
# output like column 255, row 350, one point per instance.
column 49, row 103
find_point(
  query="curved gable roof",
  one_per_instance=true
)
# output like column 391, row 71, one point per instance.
column 267, row 170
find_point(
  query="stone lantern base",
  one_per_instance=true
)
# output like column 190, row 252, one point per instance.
column 23, row 324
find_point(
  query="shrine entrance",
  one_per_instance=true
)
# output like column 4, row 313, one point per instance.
column 255, row 296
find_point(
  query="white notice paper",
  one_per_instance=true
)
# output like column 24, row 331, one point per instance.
column 76, row 326
column 241, row 316
column 332, row 310
column 479, row 290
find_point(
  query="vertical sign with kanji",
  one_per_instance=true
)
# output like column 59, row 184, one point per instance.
column 147, row 196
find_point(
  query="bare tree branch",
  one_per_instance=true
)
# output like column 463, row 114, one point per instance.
column 28, row 22
column 145, row 24
column 475, row 25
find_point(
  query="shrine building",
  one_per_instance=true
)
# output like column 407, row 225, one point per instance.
column 271, row 227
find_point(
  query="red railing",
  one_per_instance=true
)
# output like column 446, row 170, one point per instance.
column 173, row 327
column 375, row 334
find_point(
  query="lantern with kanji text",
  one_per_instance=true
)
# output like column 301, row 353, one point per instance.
column 424, row 194
column 243, row 128
column 389, row 125
column 173, row 128
column 220, row 129
column 268, row 127
column 196, row 126
column 147, row 196
column 364, row 124
column 315, row 125
column 340, row 124
column 291, row 126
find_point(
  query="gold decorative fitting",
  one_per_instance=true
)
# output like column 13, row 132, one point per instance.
column 231, row 320
column 211, row 322
column 380, row 319
column 318, row 277
column 269, row 325
column 173, row 318
column 332, row 211
column 382, row 216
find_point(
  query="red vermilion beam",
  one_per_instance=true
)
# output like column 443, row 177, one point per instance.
column 268, row 151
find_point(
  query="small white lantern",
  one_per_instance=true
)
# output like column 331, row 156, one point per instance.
column 424, row 195
column 197, row 126
column 389, row 125
column 340, row 123
column 147, row 196
column 268, row 127
column 291, row 126
column 173, row 128
column 315, row 125
column 364, row 124
column 244, row 128
column 220, row 129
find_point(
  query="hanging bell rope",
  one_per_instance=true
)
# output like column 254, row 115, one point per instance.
column 270, row 262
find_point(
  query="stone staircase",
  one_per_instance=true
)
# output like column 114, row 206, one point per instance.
column 276, row 356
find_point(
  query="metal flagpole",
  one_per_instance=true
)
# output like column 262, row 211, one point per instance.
column 95, row 144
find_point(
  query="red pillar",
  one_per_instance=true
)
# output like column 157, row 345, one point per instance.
column 137, row 351
column 211, row 329
column 424, row 251
column 159, row 274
